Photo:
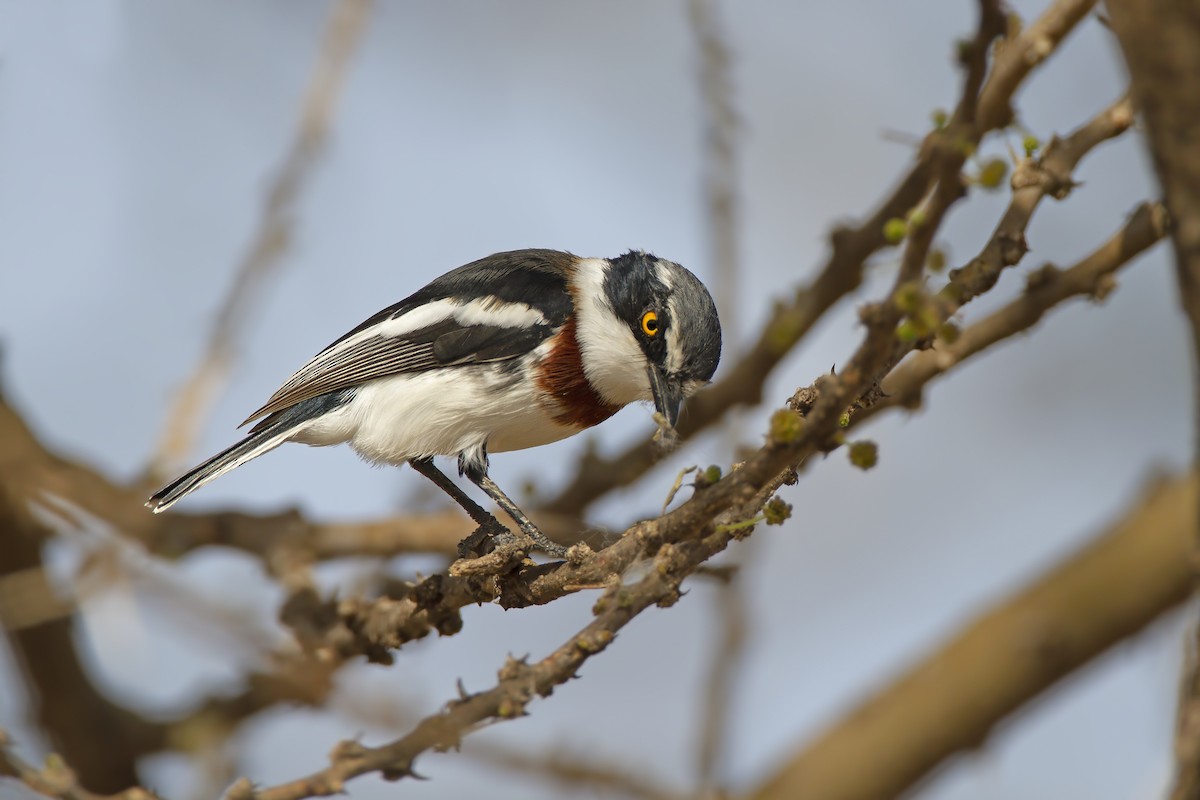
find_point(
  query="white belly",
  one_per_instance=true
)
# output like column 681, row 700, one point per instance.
column 391, row 420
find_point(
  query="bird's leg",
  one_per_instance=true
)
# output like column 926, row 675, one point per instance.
column 474, row 465
column 489, row 527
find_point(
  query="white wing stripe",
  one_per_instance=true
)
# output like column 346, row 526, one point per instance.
column 480, row 311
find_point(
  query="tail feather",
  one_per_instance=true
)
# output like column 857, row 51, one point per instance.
column 249, row 448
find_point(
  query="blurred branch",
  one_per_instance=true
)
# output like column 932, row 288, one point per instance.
column 264, row 254
column 722, row 211
column 68, row 706
column 729, row 650
column 1130, row 575
column 40, row 476
column 55, row 779
column 719, row 159
column 1160, row 40
column 1018, row 56
column 573, row 773
column 792, row 319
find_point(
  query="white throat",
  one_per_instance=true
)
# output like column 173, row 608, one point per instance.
column 612, row 359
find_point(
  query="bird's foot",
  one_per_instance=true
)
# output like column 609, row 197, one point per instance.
column 486, row 538
column 491, row 535
column 552, row 549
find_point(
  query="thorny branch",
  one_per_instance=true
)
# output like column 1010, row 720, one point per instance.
column 1033, row 179
column 1045, row 288
column 841, row 274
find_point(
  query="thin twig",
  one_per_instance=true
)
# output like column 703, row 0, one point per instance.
column 572, row 772
column 1045, row 289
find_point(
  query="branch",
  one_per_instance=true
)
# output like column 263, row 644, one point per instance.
column 44, row 477
column 949, row 702
column 1017, row 57
column 1044, row 289
column 67, row 705
column 568, row 771
column 264, row 254
column 519, row 682
column 1161, row 44
column 1050, row 174
column 791, row 320
column 55, row 779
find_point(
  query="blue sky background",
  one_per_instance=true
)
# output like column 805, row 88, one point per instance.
column 136, row 142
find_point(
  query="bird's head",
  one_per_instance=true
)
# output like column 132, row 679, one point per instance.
column 648, row 330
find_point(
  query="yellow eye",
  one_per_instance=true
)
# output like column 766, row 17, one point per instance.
column 650, row 323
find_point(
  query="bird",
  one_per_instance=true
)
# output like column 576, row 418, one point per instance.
column 512, row 351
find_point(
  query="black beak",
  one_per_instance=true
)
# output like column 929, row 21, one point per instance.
column 668, row 395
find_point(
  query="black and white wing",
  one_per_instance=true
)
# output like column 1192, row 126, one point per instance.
column 495, row 309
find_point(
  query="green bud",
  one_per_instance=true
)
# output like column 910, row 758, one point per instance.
column 993, row 173
column 712, row 474
column 909, row 297
column 844, row 420
column 894, row 230
column 907, row 331
column 1031, row 145
column 776, row 511
column 510, row 710
column 940, row 118
column 948, row 332
column 864, row 454
column 927, row 319
column 937, row 260
column 963, row 50
column 786, row 426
